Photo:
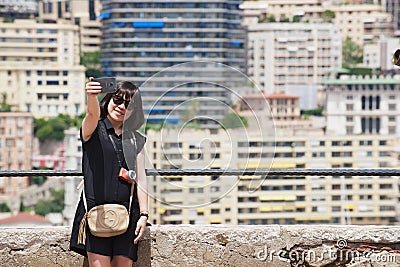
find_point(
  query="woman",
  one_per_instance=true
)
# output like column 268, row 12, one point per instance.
column 102, row 160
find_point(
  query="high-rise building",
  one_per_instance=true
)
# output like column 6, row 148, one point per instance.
column 142, row 39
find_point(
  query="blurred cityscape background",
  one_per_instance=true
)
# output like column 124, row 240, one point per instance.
column 277, row 84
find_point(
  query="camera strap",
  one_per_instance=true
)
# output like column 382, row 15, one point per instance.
column 117, row 151
column 103, row 132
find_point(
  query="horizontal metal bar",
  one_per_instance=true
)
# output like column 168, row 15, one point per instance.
column 219, row 172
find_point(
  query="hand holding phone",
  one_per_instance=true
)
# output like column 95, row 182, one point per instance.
column 108, row 84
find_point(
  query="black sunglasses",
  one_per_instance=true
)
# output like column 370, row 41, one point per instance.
column 118, row 100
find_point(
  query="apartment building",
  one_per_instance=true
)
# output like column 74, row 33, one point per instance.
column 292, row 57
column 283, row 107
column 16, row 134
column 272, row 199
column 40, row 71
column 363, row 23
column 296, row 199
column 83, row 13
column 379, row 55
column 142, row 40
column 363, row 105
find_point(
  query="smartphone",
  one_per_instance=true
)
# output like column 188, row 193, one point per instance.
column 108, row 84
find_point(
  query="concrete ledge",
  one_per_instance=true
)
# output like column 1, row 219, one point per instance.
column 211, row 245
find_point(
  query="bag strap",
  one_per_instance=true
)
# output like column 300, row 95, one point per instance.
column 130, row 198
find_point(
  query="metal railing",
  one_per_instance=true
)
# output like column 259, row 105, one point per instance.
column 219, row 172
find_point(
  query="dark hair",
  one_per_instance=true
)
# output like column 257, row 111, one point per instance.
column 127, row 90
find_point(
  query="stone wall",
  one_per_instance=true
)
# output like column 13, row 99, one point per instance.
column 217, row 245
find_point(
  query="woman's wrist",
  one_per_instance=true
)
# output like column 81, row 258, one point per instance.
column 144, row 214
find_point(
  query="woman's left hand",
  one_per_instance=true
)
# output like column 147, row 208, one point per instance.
column 140, row 228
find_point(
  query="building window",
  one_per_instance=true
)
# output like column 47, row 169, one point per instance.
column 363, row 102
column 370, row 102
column 349, row 118
column 349, row 129
column 349, row 107
column 52, row 82
column 378, row 102
column 378, row 125
column 336, row 208
column 214, row 211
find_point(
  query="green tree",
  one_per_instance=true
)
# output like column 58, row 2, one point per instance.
column 39, row 179
column 58, row 200
column 314, row 112
column 283, row 18
column 53, row 128
column 38, row 123
column 43, row 207
column 4, row 207
column 91, row 59
column 234, row 120
column 4, row 107
column 44, row 133
column 56, row 204
column 21, row 206
column 328, row 15
column 296, row 18
column 58, row 125
column 352, row 53
column 92, row 62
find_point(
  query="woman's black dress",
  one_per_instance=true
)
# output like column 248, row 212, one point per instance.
column 101, row 184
